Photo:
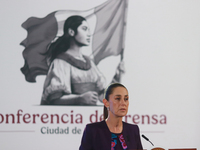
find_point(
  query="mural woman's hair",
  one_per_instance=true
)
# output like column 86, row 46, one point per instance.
column 108, row 91
column 62, row 44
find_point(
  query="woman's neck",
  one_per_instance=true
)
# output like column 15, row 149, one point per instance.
column 115, row 125
column 74, row 50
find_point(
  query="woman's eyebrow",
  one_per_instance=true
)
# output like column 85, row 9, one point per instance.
column 84, row 27
column 118, row 95
column 121, row 96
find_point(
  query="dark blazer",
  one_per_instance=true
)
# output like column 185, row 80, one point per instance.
column 97, row 136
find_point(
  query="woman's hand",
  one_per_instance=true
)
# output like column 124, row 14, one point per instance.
column 89, row 98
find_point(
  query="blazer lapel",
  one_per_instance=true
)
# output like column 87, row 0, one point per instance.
column 128, row 136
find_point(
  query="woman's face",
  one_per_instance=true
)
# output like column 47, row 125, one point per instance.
column 119, row 102
column 83, row 34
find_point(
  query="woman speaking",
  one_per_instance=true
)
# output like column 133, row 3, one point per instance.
column 112, row 133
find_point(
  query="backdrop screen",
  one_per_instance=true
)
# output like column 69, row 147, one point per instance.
column 158, row 43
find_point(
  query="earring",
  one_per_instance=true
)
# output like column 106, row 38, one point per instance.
column 108, row 108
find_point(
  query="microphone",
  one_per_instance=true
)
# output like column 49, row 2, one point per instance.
column 146, row 139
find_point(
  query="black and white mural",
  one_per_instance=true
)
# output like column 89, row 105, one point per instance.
column 58, row 56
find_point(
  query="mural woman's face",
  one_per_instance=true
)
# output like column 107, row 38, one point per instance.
column 83, row 34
